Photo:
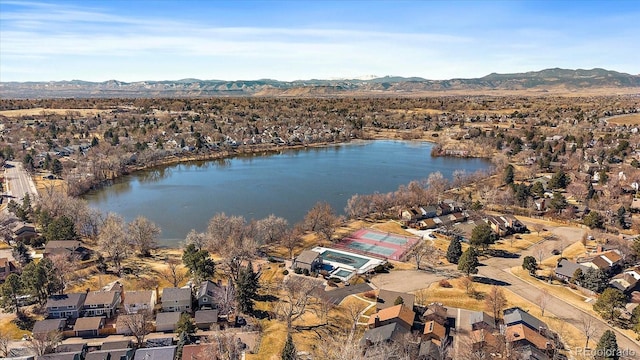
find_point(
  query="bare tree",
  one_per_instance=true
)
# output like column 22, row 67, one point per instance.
column 197, row 239
column 358, row 206
column 4, row 344
column 539, row 253
column 226, row 299
column 270, row 229
column 321, row 219
column 543, row 300
column 65, row 266
column 468, row 285
column 354, row 310
column 144, row 235
column 112, row 239
column 422, row 250
column 495, row 301
column 222, row 346
column 139, row 325
column 233, row 237
column 324, row 305
column 291, row 239
column 174, row 273
column 296, row 295
column 42, row 343
column 588, row 327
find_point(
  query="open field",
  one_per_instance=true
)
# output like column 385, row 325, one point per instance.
column 43, row 111
column 630, row 119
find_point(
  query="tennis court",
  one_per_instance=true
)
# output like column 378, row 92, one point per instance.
column 378, row 244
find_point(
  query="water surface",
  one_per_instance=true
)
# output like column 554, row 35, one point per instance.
column 185, row 196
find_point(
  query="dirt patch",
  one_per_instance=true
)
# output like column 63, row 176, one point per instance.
column 405, row 281
column 631, row 119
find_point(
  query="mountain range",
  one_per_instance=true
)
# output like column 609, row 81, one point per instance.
column 548, row 80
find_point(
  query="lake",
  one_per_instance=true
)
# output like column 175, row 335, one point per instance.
column 185, row 196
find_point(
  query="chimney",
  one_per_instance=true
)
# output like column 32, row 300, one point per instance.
column 376, row 321
column 121, row 293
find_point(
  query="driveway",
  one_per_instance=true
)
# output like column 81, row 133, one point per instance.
column 336, row 296
column 405, row 280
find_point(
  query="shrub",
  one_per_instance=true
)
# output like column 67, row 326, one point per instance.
column 298, row 271
column 445, row 283
column 285, row 272
column 305, row 272
column 370, row 294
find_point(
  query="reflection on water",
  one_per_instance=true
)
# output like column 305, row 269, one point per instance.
column 185, row 196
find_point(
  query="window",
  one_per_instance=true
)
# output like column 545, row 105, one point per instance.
column 205, row 299
column 54, row 308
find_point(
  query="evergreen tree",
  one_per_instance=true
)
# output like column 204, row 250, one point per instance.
column 537, row 189
column 199, row 263
column 607, row 348
column 594, row 220
column 10, row 290
column 246, row 289
column 595, row 280
column 468, row 262
column 509, row 174
column 21, row 254
column 185, row 325
column 608, row 303
column 61, row 228
column 454, row 251
column 483, row 236
column 289, row 352
column 530, row 264
column 183, row 339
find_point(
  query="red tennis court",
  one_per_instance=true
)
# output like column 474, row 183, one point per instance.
column 378, row 244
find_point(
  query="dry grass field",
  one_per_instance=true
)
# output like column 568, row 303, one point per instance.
column 43, row 111
column 631, row 119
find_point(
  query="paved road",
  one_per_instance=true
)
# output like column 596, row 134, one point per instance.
column 19, row 182
column 497, row 268
column 336, row 296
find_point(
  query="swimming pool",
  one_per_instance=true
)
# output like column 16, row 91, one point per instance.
column 346, row 259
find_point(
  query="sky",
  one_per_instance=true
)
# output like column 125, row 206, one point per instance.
column 135, row 40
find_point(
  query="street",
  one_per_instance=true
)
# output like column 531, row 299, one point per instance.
column 19, row 183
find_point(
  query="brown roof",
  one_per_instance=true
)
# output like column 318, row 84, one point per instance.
column 398, row 311
column 307, row 256
column 100, row 297
column 64, row 244
column 434, row 328
column 600, row 263
column 193, row 352
column 612, row 256
column 89, row 323
column 483, row 336
column 519, row 332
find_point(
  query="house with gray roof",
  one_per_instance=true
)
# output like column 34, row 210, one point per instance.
column 516, row 315
column 46, row 326
column 61, row 356
column 65, row 306
column 134, row 301
column 566, row 268
column 176, row 299
column 205, row 318
column 101, row 303
column 386, row 333
column 167, row 321
column 111, row 354
column 481, row 320
column 307, row 260
column 88, row 326
column 156, row 353
column 208, row 293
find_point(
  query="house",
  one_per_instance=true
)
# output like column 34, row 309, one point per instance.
column 99, row 303
column 624, row 282
column 208, row 293
column 485, row 340
column 396, row 314
column 194, row 352
column 123, row 321
column 69, row 248
column 429, row 211
column 514, row 224
column 176, row 299
column 206, row 318
column 167, row 321
column 566, row 268
column 134, row 301
column 434, row 331
column 388, row 298
column 111, row 354
column 88, row 326
column 46, row 326
column 429, row 351
column 411, row 215
column 606, row 261
column 7, row 267
column 435, row 312
column 307, row 260
column 540, row 204
column 61, row 356
column 515, row 316
column 381, row 334
column 65, row 306
column 156, row 353
column 497, row 225
column 481, row 320
column 114, row 345
column 23, row 231
column 74, row 348
column 521, row 335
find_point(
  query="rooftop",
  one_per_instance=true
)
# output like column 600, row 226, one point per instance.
column 398, row 311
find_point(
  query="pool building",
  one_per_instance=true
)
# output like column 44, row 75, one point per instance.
column 340, row 264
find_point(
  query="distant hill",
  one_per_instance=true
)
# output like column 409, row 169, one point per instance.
column 545, row 80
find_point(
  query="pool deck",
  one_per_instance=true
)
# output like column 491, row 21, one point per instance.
column 369, row 265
